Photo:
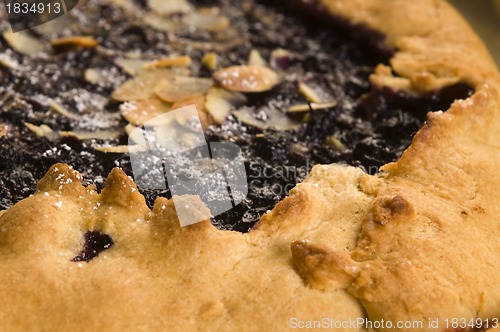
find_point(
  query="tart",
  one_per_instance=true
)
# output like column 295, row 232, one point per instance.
column 382, row 116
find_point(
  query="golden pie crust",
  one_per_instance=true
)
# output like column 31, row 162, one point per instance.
column 419, row 242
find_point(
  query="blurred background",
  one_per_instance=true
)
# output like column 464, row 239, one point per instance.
column 484, row 16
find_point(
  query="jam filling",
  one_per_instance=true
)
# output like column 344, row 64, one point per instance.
column 95, row 243
column 366, row 128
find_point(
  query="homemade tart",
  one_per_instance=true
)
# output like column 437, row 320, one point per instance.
column 414, row 242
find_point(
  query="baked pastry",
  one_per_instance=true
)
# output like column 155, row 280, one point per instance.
column 413, row 247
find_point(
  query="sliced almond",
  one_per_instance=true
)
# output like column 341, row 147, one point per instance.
column 24, row 43
column 220, row 103
column 93, row 76
column 209, row 20
column 210, row 61
column 188, row 121
column 199, row 101
column 129, row 129
column 135, row 66
column 170, row 7
column 127, row 5
column 80, row 135
column 56, row 25
column 140, row 111
column 314, row 93
column 298, row 148
column 74, row 41
column 255, row 59
column 135, row 135
column 219, row 47
column 180, row 87
column 42, row 131
column 181, row 61
column 4, row 129
column 309, row 92
column 246, row 78
column 120, row 149
column 58, row 108
column 311, row 107
column 131, row 66
column 335, row 143
column 9, row 62
column 266, row 118
column 159, row 23
column 142, row 86
column 108, row 52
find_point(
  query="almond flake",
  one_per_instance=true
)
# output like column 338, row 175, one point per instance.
column 188, row 121
column 104, row 135
column 4, row 129
column 142, row 86
column 92, row 75
column 58, row 108
column 314, row 93
column 42, row 131
column 9, row 62
column 24, row 43
column 311, row 107
column 140, row 111
column 255, row 59
column 208, row 20
column 210, row 61
column 170, row 7
column 75, row 41
column 127, row 5
column 55, row 26
column 335, row 143
column 204, row 117
column 220, row 47
column 246, row 78
column 266, row 118
column 309, row 93
column 135, row 135
column 180, row 87
column 131, row 66
column 135, row 66
column 120, row 149
column 181, row 61
column 220, row 102
column 159, row 23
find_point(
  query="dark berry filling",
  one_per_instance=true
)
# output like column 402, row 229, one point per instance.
column 367, row 128
column 95, row 243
